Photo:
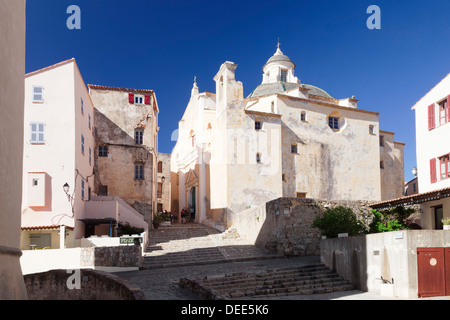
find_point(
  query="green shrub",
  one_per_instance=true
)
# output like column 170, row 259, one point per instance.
column 338, row 220
column 390, row 220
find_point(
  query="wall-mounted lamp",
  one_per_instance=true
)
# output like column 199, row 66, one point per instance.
column 163, row 179
column 414, row 171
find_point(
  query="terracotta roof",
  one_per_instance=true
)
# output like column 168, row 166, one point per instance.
column 93, row 86
column 53, row 227
column 50, row 67
column 414, row 199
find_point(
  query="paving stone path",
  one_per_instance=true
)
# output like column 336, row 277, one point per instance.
column 194, row 250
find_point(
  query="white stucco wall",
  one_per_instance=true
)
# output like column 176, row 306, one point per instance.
column 434, row 143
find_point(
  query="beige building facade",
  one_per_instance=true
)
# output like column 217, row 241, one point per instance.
column 126, row 132
column 12, row 64
column 286, row 139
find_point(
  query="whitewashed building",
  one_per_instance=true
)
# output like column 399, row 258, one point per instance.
column 432, row 113
column 59, row 206
column 286, row 139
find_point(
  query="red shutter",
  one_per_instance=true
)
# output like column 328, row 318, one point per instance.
column 131, row 97
column 431, row 121
column 433, row 170
column 147, row 99
column 447, row 110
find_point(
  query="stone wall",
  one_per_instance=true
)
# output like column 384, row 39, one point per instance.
column 284, row 225
column 119, row 256
column 85, row 285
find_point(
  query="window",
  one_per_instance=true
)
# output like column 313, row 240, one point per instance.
column 381, row 164
column 139, row 136
column 139, row 99
column 89, row 121
column 443, row 112
column 301, row 194
column 371, row 129
column 284, row 73
column 82, row 106
column 82, row 144
column 82, row 189
column 38, row 94
column 139, row 171
column 381, row 141
column 89, row 193
column 90, row 156
column 258, row 157
column 294, row 148
column 37, row 132
column 303, row 116
column 102, row 151
column 445, row 167
column 333, row 122
column 160, row 166
column 103, row 190
column 159, row 189
column 258, row 125
column 35, row 182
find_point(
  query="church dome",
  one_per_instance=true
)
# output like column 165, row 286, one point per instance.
column 266, row 89
column 279, row 56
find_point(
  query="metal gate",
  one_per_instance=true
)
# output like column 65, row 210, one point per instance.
column 433, row 266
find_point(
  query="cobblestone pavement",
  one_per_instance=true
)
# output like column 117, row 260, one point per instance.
column 161, row 283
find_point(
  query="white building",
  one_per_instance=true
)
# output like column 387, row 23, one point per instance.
column 286, row 139
column 58, row 175
column 432, row 137
column 432, row 151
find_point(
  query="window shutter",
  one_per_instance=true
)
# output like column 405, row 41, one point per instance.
column 433, row 170
column 131, row 97
column 147, row 99
column 447, row 110
column 431, row 121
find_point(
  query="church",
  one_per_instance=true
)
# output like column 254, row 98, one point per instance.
column 286, row 139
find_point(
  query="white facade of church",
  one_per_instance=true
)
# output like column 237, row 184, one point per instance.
column 286, row 139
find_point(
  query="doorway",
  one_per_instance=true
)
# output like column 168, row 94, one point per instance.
column 192, row 203
column 438, row 216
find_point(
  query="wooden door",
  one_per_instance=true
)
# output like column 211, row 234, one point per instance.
column 431, row 271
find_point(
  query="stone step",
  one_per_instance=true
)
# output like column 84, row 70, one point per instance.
column 269, row 283
column 274, row 283
column 279, row 273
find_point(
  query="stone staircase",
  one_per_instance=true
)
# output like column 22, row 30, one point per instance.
column 195, row 244
column 269, row 283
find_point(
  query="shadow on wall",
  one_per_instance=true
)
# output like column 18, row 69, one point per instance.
column 284, row 225
column 84, row 284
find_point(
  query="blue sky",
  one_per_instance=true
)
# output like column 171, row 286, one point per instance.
column 163, row 44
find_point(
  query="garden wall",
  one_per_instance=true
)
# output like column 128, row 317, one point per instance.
column 392, row 256
column 284, row 225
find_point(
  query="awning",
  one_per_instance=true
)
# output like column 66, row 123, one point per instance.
column 413, row 199
column 53, row 227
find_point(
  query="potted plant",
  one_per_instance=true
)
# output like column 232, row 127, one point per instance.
column 446, row 223
column 157, row 219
